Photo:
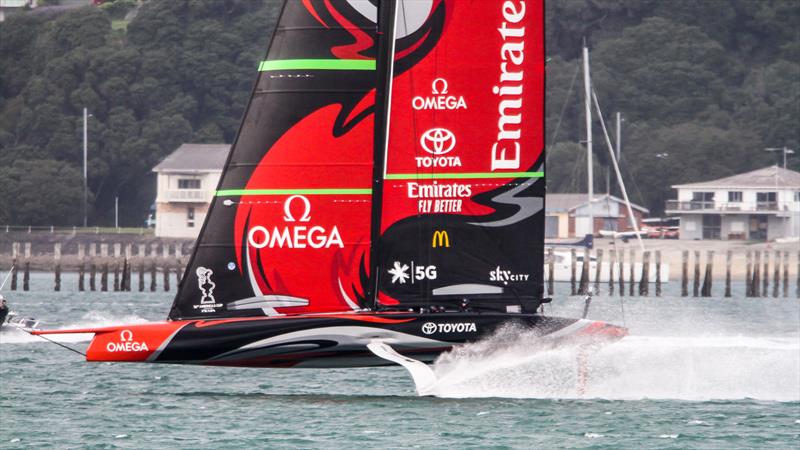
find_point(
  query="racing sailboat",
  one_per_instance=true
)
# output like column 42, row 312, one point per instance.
column 383, row 200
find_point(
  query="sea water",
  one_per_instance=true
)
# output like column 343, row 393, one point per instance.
column 694, row 373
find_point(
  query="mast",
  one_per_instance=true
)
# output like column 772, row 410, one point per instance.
column 588, row 106
column 387, row 19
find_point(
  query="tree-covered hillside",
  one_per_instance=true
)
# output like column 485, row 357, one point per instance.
column 703, row 86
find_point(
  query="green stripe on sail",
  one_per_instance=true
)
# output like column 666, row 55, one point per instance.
column 317, row 64
column 240, row 192
column 451, row 176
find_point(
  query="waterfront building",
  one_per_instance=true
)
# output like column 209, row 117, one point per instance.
column 186, row 182
column 760, row 205
column 567, row 215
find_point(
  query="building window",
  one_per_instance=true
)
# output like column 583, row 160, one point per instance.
column 190, row 217
column 712, row 224
column 766, row 201
column 797, row 196
column 734, row 196
column 185, row 183
column 702, row 200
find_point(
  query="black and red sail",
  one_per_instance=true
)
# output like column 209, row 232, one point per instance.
column 288, row 229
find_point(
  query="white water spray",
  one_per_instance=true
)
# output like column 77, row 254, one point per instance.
column 691, row 365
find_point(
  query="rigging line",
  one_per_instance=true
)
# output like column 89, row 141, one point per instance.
column 631, row 217
column 564, row 108
column 10, row 271
column 54, row 342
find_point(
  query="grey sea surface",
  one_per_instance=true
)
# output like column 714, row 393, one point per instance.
column 694, row 373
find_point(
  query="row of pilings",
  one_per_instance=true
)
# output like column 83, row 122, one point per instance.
column 611, row 272
column 635, row 277
column 98, row 270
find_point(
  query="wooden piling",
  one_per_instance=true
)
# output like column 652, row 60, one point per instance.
column 551, row 261
column 166, row 278
column 621, row 273
column 573, row 270
column 57, row 286
column 776, row 275
column 104, row 278
column 57, row 262
column 14, row 275
column 658, row 273
column 785, row 274
column 749, row 276
column 81, row 274
column 92, row 273
column 141, row 277
column 728, row 260
column 178, row 274
column 583, row 289
column 153, row 277
column 124, row 282
column 756, row 282
column 26, row 277
column 707, row 278
column 612, row 261
column 632, row 277
column 696, row 281
column 116, row 277
column 597, row 269
column 644, row 282
column 765, row 278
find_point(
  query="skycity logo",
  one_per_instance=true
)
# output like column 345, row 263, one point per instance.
column 506, row 276
column 438, row 142
column 462, row 327
column 126, row 344
column 295, row 236
column 438, row 100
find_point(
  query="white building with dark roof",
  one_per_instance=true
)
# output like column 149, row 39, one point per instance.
column 760, row 205
column 186, row 182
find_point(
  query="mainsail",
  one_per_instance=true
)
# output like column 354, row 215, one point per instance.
column 378, row 166
column 288, row 229
column 463, row 196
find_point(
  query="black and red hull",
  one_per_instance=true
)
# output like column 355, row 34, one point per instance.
column 320, row 340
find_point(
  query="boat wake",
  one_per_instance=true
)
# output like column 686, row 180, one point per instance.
column 91, row 319
column 637, row 367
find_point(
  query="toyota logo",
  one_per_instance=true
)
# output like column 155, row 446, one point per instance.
column 438, row 141
column 429, row 328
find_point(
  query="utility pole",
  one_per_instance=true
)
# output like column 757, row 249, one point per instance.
column 784, row 150
column 587, row 84
column 85, row 171
column 116, row 212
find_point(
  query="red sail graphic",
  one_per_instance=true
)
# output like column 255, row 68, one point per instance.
column 465, row 141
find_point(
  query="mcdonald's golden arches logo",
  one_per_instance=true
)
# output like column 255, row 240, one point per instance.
column 440, row 239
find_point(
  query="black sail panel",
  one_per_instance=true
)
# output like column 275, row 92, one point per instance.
column 288, row 229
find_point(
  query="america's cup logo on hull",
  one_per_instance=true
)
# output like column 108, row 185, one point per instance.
column 438, row 142
column 295, row 235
